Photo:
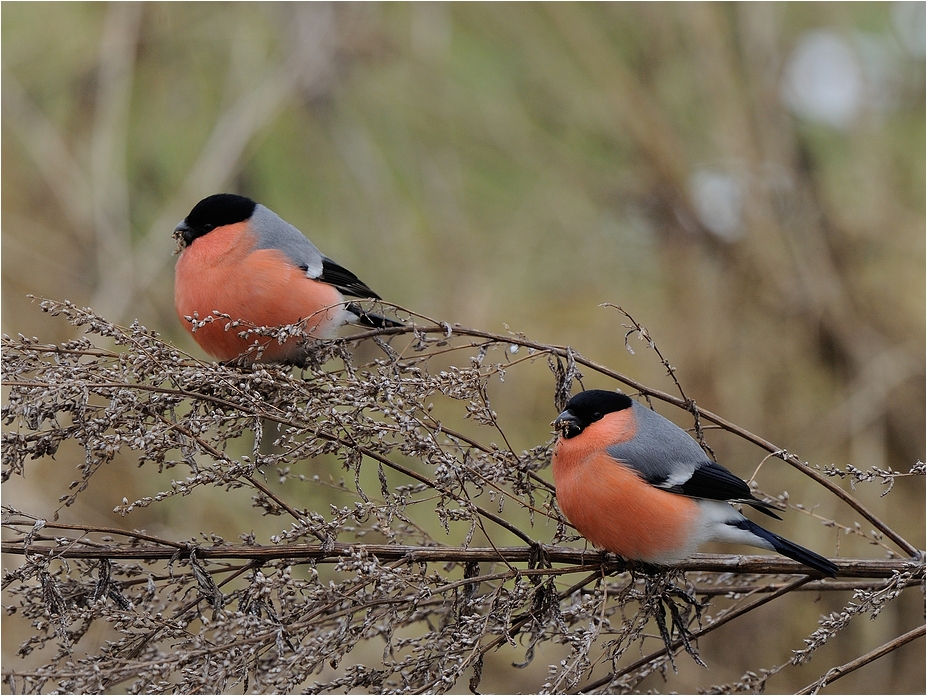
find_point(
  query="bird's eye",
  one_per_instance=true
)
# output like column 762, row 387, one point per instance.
column 596, row 416
column 208, row 226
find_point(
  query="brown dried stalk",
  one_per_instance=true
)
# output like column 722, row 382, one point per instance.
column 414, row 432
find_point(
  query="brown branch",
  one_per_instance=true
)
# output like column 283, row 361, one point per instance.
column 86, row 529
column 700, row 562
column 813, row 586
column 836, row 673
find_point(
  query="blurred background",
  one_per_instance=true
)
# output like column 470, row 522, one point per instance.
column 747, row 180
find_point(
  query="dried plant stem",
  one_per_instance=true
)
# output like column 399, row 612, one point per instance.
column 700, row 562
column 716, row 623
column 415, row 431
column 836, row 673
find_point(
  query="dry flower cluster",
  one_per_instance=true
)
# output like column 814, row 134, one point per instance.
column 282, row 614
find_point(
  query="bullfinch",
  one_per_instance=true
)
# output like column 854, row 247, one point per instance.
column 241, row 259
column 635, row 484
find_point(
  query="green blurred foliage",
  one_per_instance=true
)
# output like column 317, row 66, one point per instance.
column 508, row 165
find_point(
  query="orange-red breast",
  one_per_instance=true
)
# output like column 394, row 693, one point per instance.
column 241, row 259
column 635, row 484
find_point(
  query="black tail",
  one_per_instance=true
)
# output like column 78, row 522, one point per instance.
column 370, row 319
column 790, row 549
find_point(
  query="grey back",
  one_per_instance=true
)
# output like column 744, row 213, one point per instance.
column 276, row 233
column 661, row 452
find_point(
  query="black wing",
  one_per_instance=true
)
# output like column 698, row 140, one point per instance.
column 344, row 280
column 714, row 482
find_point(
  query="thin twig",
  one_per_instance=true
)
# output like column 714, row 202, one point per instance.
column 836, row 673
column 717, row 623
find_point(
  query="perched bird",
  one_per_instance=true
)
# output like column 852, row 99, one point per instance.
column 637, row 485
column 241, row 259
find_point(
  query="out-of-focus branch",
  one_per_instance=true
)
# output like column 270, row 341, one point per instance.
column 109, row 153
column 51, row 154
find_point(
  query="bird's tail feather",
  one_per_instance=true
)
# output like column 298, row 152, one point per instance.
column 375, row 321
column 759, row 506
column 790, row 549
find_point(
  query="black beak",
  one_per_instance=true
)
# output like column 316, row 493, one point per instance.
column 567, row 424
column 183, row 234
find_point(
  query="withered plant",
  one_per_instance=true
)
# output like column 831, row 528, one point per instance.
column 450, row 546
